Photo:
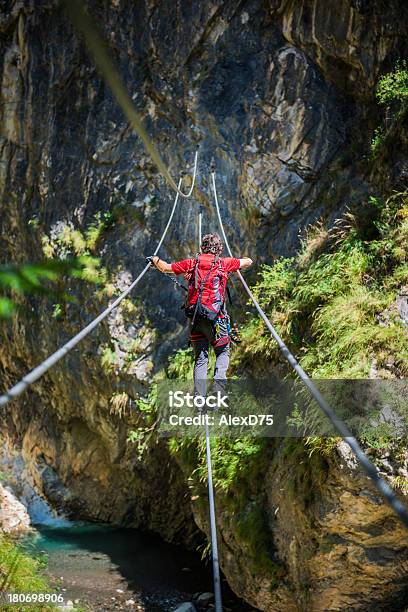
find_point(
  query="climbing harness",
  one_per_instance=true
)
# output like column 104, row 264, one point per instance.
column 41, row 369
column 235, row 333
column 383, row 488
column 233, row 329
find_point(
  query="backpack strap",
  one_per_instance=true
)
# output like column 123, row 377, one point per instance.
column 229, row 294
column 227, row 291
column 202, row 285
column 196, row 272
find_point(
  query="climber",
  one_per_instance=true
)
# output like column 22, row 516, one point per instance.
column 207, row 277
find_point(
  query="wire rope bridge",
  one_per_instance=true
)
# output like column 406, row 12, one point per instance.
column 98, row 51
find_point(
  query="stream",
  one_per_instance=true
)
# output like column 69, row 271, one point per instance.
column 103, row 567
column 109, row 568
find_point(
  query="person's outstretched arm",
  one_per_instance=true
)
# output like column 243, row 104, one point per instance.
column 161, row 265
column 245, row 263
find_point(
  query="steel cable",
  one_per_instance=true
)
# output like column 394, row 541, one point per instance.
column 383, row 488
column 213, row 525
column 41, row 369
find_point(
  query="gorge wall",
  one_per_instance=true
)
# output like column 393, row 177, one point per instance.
column 281, row 94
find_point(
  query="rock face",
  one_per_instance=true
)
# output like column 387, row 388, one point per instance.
column 335, row 543
column 280, row 92
column 13, row 514
column 341, row 547
column 357, row 537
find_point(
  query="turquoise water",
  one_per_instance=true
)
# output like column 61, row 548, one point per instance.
column 105, row 566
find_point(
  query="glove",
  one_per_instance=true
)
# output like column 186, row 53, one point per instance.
column 152, row 259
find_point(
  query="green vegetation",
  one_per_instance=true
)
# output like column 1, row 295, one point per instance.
column 108, row 359
column 327, row 302
column 146, row 418
column 181, row 365
column 379, row 437
column 133, row 350
column 23, row 574
column 377, row 140
column 320, row 445
column 333, row 303
column 401, row 483
column 74, row 241
column 128, row 307
column 57, row 311
column 69, row 255
column 252, row 529
column 38, row 278
column 305, row 464
column 100, row 224
column 394, row 85
column 126, row 350
column 239, row 467
column 71, row 243
column 392, row 93
column 34, row 223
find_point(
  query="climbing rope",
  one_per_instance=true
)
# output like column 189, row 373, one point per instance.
column 383, row 488
column 211, row 501
column 200, row 224
column 213, row 525
column 97, row 48
column 41, row 369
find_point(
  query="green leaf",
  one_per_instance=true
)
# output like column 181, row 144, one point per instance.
column 6, row 307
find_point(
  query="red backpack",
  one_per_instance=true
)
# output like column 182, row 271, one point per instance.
column 206, row 289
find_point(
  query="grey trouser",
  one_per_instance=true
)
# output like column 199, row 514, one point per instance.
column 205, row 328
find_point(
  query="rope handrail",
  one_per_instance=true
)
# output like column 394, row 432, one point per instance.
column 213, row 525
column 97, row 48
column 211, row 496
column 44, row 366
column 382, row 487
